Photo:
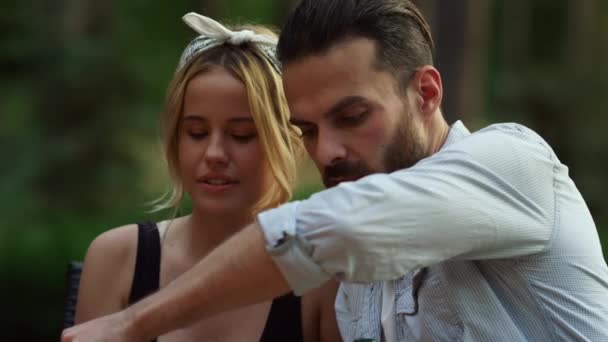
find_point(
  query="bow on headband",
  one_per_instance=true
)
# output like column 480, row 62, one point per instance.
column 213, row 34
column 212, row 29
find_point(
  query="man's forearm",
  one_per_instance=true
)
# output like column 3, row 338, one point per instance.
column 237, row 273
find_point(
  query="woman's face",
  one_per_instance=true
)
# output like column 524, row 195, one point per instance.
column 220, row 157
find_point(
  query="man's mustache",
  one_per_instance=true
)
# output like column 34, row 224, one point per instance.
column 344, row 169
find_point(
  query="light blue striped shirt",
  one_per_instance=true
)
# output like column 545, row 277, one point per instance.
column 486, row 240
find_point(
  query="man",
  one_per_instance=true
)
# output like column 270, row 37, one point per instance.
column 456, row 236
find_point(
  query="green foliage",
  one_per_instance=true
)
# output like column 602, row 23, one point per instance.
column 555, row 81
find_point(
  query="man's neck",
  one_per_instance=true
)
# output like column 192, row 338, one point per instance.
column 439, row 133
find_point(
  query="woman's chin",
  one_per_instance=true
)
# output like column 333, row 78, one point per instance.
column 223, row 207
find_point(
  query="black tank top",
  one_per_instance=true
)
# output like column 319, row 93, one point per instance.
column 284, row 320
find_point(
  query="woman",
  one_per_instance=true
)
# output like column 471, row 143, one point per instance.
column 230, row 147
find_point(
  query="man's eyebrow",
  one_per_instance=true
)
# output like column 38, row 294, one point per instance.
column 335, row 109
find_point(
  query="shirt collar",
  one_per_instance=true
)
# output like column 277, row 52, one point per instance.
column 457, row 132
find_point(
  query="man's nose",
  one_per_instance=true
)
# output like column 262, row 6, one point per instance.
column 329, row 148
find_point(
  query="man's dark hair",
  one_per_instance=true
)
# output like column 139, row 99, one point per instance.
column 402, row 35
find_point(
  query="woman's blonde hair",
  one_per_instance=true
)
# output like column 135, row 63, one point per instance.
column 279, row 140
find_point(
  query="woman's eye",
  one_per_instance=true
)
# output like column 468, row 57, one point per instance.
column 244, row 138
column 305, row 131
column 197, row 135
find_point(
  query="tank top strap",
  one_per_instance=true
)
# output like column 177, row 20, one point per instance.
column 146, row 278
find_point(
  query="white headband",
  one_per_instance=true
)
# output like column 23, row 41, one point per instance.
column 214, row 34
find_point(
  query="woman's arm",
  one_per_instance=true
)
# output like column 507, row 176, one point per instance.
column 107, row 273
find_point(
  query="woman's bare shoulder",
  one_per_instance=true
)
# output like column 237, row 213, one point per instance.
column 116, row 242
column 107, row 273
column 113, row 253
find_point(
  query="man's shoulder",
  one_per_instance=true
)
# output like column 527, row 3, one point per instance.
column 510, row 130
column 506, row 154
column 504, row 139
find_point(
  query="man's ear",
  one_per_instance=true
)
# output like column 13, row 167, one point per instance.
column 428, row 91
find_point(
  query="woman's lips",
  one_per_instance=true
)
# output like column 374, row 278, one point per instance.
column 217, row 186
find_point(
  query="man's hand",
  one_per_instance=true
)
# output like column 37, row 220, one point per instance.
column 117, row 327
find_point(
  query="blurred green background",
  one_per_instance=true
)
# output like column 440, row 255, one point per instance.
column 82, row 85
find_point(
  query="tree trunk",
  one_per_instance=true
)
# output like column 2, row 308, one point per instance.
column 449, row 30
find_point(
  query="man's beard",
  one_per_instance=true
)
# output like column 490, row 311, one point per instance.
column 404, row 150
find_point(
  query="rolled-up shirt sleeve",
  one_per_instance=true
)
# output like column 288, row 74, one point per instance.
column 489, row 196
column 290, row 248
